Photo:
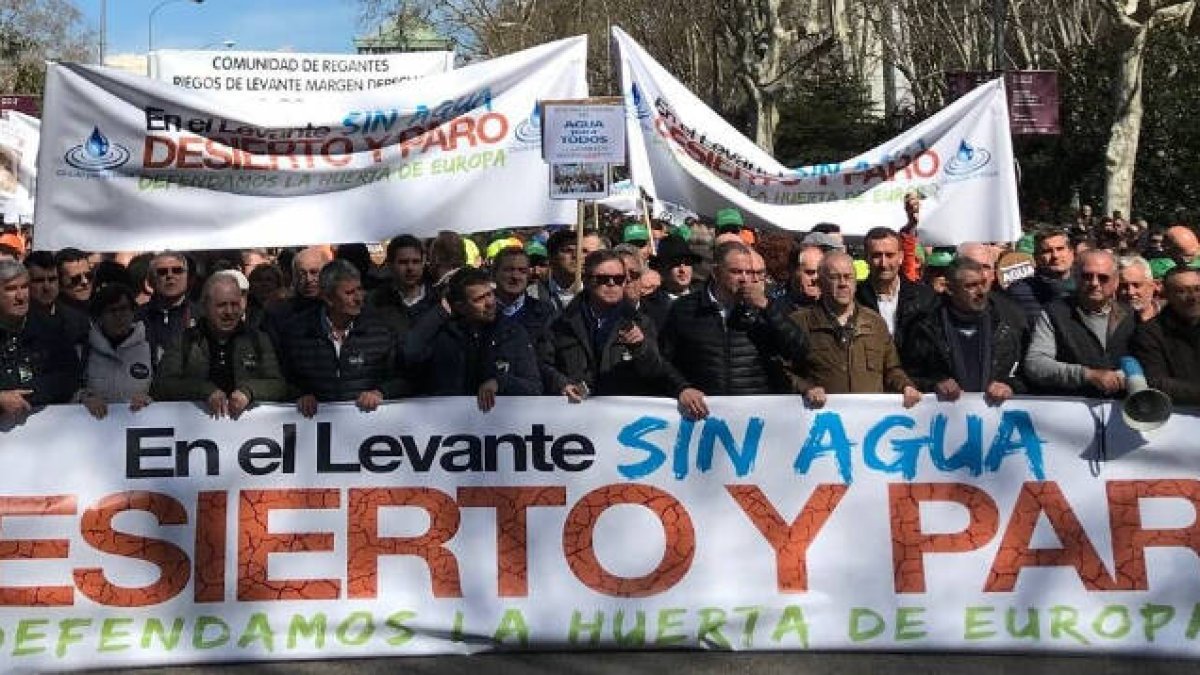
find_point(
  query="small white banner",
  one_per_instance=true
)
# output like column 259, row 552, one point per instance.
column 129, row 163
column 583, row 133
column 960, row 160
column 426, row 527
column 18, row 165
column 284, row 75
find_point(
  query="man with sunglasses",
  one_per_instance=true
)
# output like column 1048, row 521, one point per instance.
column 1078, row 342
column 168, row 312
column 37, row 364
column 44, row 297
column 602, row 344
column 75, row 281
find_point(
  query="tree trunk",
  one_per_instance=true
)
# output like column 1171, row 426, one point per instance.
column 1120, row 158
column 764, row 115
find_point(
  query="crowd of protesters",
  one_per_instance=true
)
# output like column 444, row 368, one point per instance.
column 688, row 312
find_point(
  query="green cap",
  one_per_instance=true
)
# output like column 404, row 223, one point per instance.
column 1195, row 264
column 683, row 232
column 1160, row 266
column 635, row 231
column 861, row 270
column 939, row 259
column 535, row 248
column 729, row 218
column 1025, row 244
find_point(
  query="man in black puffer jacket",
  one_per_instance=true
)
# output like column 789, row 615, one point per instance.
column 468, row 352
column 338, row 352
column 966, row 344
column 728, row 338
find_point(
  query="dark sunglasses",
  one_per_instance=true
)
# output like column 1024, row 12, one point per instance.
column 1099, row 278
column 164, row 271
column 79, row 279
column 609, row 279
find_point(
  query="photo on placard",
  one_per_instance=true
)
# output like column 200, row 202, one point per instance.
column 578, row 181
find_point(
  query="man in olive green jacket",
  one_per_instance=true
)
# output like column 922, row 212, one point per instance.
column 221, row 362
column 850, row 349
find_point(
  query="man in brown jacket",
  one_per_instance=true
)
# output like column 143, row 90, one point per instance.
column 851, row 350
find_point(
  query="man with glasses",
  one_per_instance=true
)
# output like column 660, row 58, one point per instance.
column 728, row 338
column 74, row 278
column 45, row 299
column 602, row 344
column 306, row 296
column 851, row 350
column 37, row 364
column 1078, row 342
column 169, row 311
column 1169, row 345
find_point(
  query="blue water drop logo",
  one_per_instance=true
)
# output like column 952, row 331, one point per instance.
column 97, row 153
column 967, row 159
column 97, row 145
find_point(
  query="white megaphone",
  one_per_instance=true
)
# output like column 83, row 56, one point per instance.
column 1145, row 409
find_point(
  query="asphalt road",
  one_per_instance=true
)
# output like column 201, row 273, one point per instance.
column 707, row 663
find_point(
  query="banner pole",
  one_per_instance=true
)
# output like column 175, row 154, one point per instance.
column 649, row 227
column 580, row 219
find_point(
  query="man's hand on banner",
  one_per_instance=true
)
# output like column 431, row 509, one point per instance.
column 13, row 403
column 238, row 402
column 692, row 404
column 997, row 393
column 96, row 406
column 947, row 389
column 487, row 394
column 307, row 405
column 912, row 396
column 815, row 397
column 369, row 400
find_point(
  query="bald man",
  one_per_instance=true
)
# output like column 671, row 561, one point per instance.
column 306, row 274
column 1182, row 245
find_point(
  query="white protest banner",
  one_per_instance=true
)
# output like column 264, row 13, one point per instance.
column 287, row 75
column 960, row 160
column 18, row 165
column 583, row 133
column 429, row 527
column 128, row 163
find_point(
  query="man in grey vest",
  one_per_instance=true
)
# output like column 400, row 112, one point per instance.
column 1078, row 341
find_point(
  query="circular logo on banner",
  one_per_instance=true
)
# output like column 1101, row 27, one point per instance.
column 97, row 153
column 139, row 371
column 967, row 160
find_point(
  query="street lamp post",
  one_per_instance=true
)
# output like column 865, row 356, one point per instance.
column 150, row 22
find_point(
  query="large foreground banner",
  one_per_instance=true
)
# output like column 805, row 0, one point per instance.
column 18, row 165
column 429, row 527
column 960, row 160
column 290, row 75
column 128, row 163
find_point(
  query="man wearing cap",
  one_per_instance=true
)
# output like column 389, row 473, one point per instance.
column 638, row 235
column 675, row 262
column 539, row 268
column 1169, row 345
column 1077, row 343
column 728, row 338
column 401, row 302
column 934, row 275
column 886, row 291
column 729, row 220
column 559, row 289
column 38, row 365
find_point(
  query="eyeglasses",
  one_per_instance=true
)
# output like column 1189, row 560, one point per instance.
column 634, row 275
column 164, row 271
column 80, row 279
column 609, row 279
column 1098, row 278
